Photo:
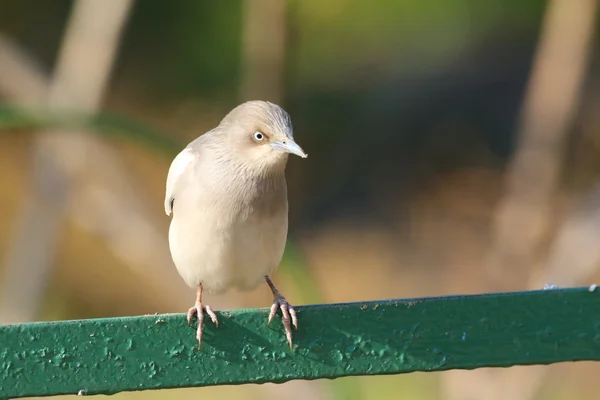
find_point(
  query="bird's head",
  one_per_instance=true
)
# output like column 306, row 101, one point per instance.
column 261, row 134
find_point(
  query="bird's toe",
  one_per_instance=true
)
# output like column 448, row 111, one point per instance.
column 190, row 314
column 198, row 309
column 288, row 316
column 212, row 315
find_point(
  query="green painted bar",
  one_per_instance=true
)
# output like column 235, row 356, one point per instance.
column 105, row 356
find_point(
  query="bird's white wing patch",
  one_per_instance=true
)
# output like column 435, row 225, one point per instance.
column 178, row 167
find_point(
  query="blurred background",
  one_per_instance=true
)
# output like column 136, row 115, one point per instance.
column 454, row 148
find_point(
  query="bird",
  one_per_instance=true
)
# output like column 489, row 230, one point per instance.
column 226, row 194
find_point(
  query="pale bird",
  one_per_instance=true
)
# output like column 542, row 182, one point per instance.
column 228, row 196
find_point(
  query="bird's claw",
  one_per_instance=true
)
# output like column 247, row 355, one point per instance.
column 288, row 314
column 199, row 309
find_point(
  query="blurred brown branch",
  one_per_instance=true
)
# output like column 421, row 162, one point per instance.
column 523, row 214
column 22, row 80
column 64, row 163
column 551, row 100
column 575, row 255
column 263, row 55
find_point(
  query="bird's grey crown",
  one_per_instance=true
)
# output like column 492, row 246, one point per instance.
column 280, row 119
column 269, row 113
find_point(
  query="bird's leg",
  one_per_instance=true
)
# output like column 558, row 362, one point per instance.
column 287, row 311
column 199, row 309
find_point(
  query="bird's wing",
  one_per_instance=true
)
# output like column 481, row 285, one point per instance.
column 179, row 166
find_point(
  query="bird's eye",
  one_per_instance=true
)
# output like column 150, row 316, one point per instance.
column 258, row 136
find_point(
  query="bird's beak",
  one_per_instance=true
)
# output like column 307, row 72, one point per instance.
column 288, row 145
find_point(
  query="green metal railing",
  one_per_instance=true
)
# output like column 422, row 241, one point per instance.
column 106, row 356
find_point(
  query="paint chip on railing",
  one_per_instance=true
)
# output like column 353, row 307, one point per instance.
column 550, row 286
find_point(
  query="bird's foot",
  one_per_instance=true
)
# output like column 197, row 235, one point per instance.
column 199, row 309
column 287, row 314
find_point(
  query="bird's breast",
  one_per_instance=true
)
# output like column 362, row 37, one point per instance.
column 224, row 239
